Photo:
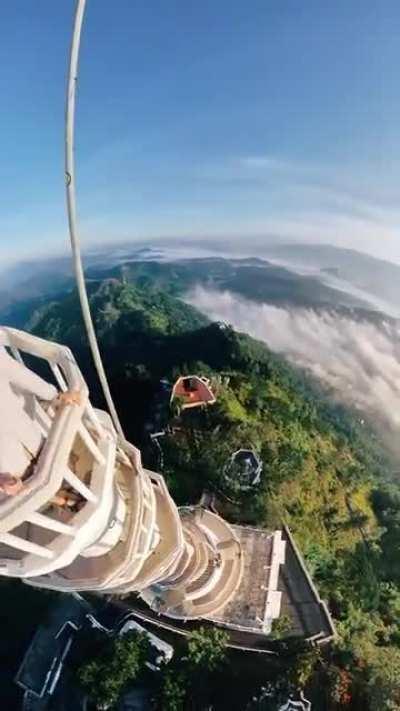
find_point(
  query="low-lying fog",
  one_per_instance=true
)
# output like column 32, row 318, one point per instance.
column 359, row 361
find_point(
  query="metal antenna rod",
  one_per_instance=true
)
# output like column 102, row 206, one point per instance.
column 71, row 209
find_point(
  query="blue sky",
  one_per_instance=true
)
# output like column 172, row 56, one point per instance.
column 231, row 119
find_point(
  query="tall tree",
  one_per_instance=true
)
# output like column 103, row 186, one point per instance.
column 207, row 648
column 105, row 674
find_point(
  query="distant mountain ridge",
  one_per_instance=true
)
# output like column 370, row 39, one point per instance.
column 379, row 277
column 253, row 278
column 311, row 276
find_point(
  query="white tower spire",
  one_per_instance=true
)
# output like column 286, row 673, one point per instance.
column 87, row 515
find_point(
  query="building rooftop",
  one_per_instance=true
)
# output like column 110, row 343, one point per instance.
column 300, row 599
column 276, row 584
column 297, row 704
column 192, row 391
column 136, row 699
column 257, row 600
column 44, row 658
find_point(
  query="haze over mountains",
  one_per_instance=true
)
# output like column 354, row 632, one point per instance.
column 359, row 278
column 344, row 268
column 331, row 311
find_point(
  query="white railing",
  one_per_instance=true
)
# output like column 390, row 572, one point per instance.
column 59, row 427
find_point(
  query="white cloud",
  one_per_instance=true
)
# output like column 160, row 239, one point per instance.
column 359, row 361
column 126, row 191
column 310, row 202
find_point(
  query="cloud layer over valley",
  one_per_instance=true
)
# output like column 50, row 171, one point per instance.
column 358, row 360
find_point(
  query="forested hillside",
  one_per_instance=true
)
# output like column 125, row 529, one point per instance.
column 324, row 472
column 252, row 278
